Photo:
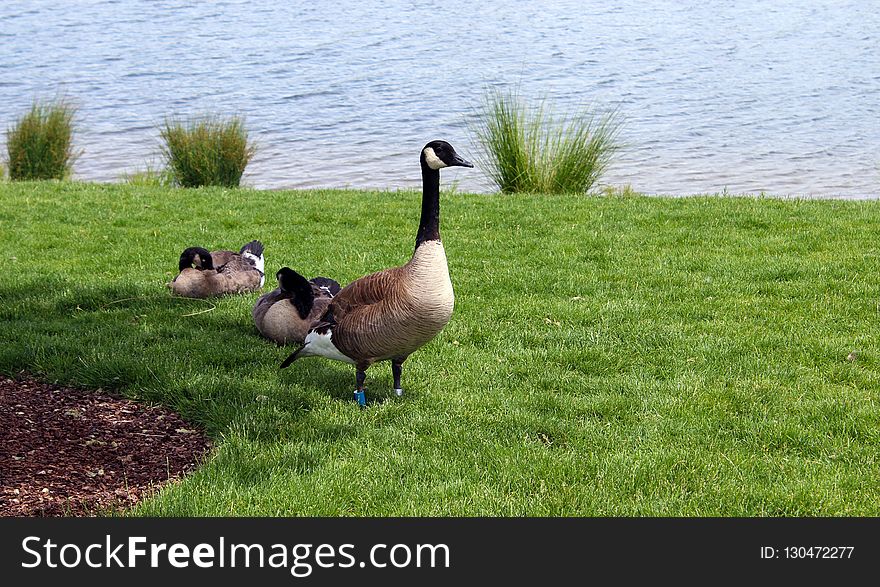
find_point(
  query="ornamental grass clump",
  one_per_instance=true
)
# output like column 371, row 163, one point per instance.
column 526, row 150
column 40, row 144
column 206, row 151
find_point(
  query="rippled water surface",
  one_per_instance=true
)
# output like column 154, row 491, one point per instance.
column 742, row 96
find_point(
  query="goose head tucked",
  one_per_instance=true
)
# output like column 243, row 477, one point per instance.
column 195, row 257
column 294, row 283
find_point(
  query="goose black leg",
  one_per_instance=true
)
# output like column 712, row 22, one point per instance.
column 396, row 370
column 359, row 392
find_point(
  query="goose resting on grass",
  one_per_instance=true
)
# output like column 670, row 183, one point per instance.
column 286, row 313
column 389, row 314
column 205, row 274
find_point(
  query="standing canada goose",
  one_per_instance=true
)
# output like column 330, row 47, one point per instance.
column 203, row 274
column 389, row 314
column 286, row 313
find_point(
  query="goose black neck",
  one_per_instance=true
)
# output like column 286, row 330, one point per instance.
column 429, row 225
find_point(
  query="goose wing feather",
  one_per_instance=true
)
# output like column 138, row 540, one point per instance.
column 237, row 275
column 364, row 312
column 222, row 258
column 366, row 291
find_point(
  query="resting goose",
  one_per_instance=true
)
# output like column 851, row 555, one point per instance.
column 286, row 313
column 204, row 274
column 389, row 314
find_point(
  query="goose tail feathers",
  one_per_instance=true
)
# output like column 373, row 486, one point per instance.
column 294, row 356
column 254, row 247
column 253, row 252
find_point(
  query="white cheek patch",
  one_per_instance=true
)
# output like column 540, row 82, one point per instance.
column 433, row 161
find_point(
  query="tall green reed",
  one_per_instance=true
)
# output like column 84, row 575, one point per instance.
column 525, row 149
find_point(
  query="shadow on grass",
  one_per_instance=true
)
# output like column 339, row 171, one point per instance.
column 198, row 357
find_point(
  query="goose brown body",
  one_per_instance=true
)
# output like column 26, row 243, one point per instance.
column 197, row 283
column 390, row 314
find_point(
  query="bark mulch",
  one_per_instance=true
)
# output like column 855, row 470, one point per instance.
column 74, row 452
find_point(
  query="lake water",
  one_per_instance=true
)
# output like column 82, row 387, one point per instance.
column 740, row 96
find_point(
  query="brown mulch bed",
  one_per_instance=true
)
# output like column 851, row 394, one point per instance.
column 74, row 452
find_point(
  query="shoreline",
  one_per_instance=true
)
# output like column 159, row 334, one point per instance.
column 451, row 188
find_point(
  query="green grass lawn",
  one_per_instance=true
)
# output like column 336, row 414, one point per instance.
column 614, row 355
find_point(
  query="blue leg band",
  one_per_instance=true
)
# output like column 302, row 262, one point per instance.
column 361, row 398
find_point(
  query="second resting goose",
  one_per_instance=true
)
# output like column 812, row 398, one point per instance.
column 204, row 274
column 286, row 313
